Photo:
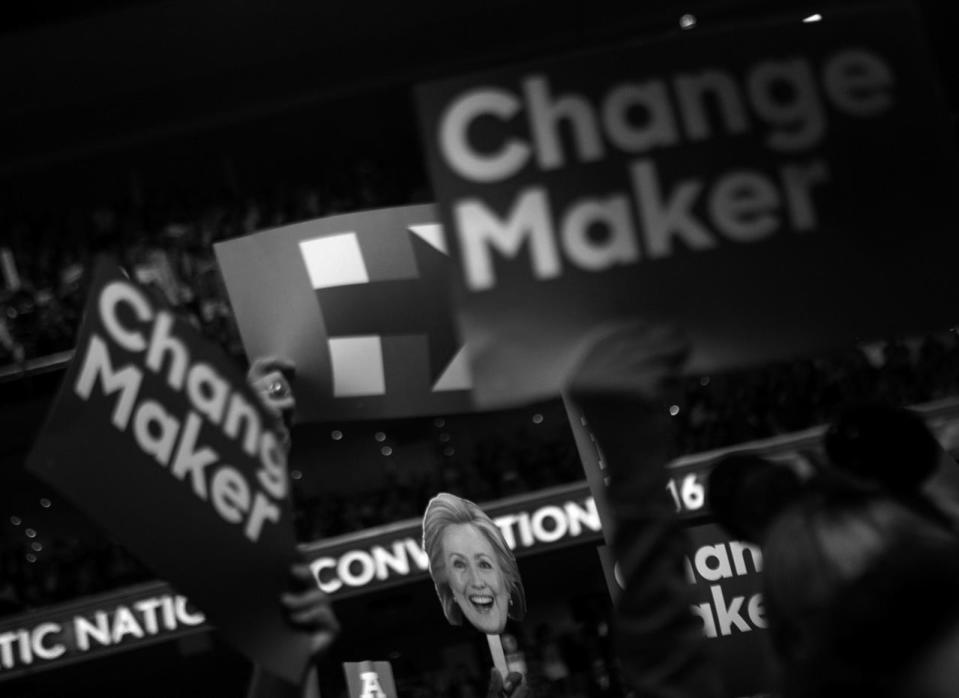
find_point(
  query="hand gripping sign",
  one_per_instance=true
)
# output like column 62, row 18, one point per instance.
column 473, row 569
column 158, row 438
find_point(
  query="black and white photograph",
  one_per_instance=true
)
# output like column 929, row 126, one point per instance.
column 505, row 349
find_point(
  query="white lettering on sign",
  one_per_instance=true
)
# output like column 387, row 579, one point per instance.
column 39, row 641
column 174, row 440
column 690, row 495
column 112, row 627
column 549, row 524
column 370, row 685
column 744, row 206
column 781, row 98
column 528, row 225
column 357, row 568
column 49, row 640
column 724, row 561
column 360, row 567
column 722, row 615
column 461, row 156
column 20, row 647
column 786, row 102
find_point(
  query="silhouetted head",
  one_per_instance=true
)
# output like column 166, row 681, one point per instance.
column 746, row 492
column 889, row 446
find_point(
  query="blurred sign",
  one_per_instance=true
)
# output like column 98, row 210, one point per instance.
column 757, row 188
column 369, row 679
column 378, row 558
column 157, row 437
column 386, row 556
column 362, row 303
column 726, row 578
column 593, row 462
column 94, row 627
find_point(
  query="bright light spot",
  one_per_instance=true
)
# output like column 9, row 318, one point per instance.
column 687, row 21
column 674, row 410
column 379, row 436
column 537, row 418
column 386, row 451
column 31, row 557
column 16, row 520
column 296, row 474
column 45, row 503
column 37, row 547
column 31, row 533
column 336, row 434
column 813, row 18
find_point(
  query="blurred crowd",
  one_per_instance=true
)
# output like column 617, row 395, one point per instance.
column 524, row 457
column 170, row 248
column 68, row 569
column 166, row 244
column 786, row 397
column 560, row 662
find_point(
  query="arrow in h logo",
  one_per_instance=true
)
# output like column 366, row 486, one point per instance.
column 358, row 311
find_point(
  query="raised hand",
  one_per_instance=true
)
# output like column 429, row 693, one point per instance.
column 270, row 377
column 308, row 608
column 513, row 686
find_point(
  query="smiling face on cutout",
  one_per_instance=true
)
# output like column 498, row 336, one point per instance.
column 475, row 577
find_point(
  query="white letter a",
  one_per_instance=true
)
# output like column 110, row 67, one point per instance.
column 371, row 685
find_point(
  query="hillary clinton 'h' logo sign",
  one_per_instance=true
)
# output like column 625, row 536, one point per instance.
column 362, row 304
column 359, row 311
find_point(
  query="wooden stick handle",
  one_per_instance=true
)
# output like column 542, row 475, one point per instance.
column 499, row 658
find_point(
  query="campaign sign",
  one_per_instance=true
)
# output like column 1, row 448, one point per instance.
column 361, row 302
column 369, row 679
column 771, row 190
column 156, row 436
column 725, row 578
column 593, row 462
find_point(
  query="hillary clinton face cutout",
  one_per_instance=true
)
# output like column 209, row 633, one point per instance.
column 475, row 577
column 472, row 567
